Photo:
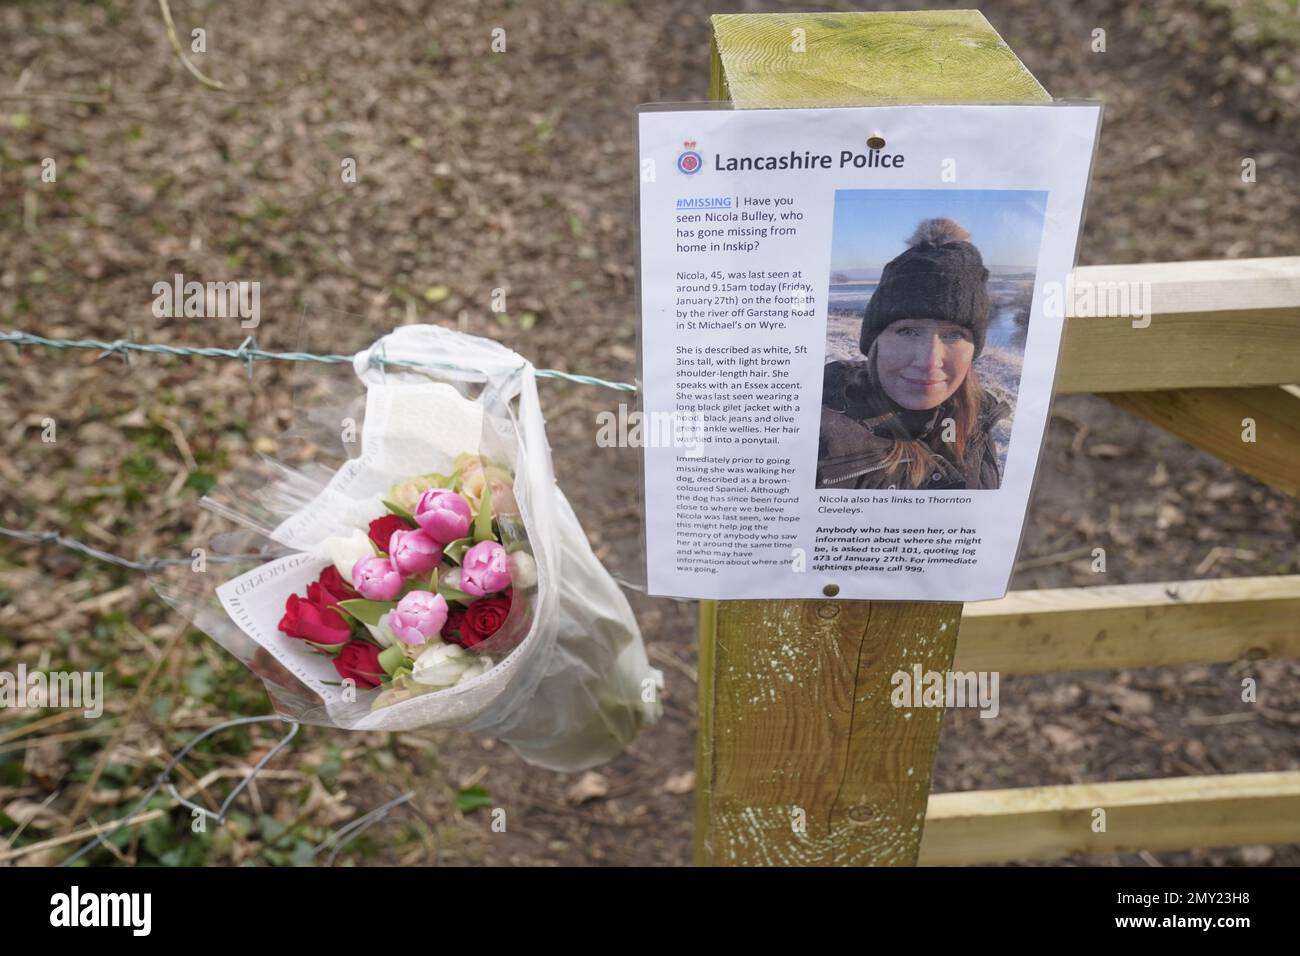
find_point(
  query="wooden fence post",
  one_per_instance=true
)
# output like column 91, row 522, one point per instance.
column 801, row 759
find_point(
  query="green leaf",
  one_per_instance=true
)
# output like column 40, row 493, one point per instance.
column 390, row 659
column 450, row 593
column 455, row 551
column 199, row 680
column 436, row 479
column 367, row 612
column 399, row 511
column 270, row 828
column 303, row 854
column 510, row 526
column 158, row 837
column 201, row 481
column 469, row 799
column 483, row 520
column 329, row 650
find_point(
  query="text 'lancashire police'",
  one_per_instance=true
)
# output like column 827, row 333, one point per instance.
column 872, row 159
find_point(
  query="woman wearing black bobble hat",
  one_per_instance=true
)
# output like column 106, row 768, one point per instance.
column 912, row 414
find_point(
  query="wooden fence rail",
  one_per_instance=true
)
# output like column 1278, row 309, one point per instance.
column 1046, row 823
column 1221, row 324
column 1132, row 625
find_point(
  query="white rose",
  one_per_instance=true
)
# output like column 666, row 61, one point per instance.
column 345, row 552
column 523, row 570
column 440, row 665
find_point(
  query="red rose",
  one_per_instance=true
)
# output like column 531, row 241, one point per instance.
column 483, row 618
column 451, row 630
column 329, row 589
column 381, row 529
column 360, row 661
column 311, row 622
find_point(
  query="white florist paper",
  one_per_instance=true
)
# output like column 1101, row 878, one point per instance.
column 848, row 349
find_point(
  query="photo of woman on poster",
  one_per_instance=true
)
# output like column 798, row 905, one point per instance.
column 912, row 413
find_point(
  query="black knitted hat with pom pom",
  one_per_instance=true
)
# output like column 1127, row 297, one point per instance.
column 940, row 275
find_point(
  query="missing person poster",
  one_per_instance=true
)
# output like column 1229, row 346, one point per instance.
column 850, row 327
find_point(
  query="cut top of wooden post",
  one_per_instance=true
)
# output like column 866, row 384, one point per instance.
column 864, row 59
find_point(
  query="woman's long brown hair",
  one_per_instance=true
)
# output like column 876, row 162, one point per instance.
column 909, row 463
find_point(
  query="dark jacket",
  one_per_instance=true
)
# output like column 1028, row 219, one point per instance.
column 856, row 437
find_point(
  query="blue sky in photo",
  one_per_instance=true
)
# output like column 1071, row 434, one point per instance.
column 872, row 225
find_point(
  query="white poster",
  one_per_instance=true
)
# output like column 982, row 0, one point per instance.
column 848, row 348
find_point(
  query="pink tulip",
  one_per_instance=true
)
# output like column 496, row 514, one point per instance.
column 418, row 616
column 443, row 514
column 485, row 569
column 376, row 579
column 413, row 552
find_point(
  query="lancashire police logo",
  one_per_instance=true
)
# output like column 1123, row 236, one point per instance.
column 689, row 161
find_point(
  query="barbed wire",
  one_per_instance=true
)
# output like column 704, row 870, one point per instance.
column 248, row 353
column 164, row 780
column 156, row 564
column 337, row 839
column 350, row 831
column 143, row 564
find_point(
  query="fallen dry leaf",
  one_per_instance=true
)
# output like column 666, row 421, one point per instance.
column 589, row 786
column 1134, row 703
column 1062, row 738
column 680, row 782
column 1105, row 451
column 1257, row 855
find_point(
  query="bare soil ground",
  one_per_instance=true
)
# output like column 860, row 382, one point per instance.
column 479, row 171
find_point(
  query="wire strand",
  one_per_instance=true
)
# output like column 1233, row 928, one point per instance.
column 248, row 353
column 144, row 564
column 338, row 839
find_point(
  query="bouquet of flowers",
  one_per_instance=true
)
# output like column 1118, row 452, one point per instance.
column 436, row 576
column 408, row 604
